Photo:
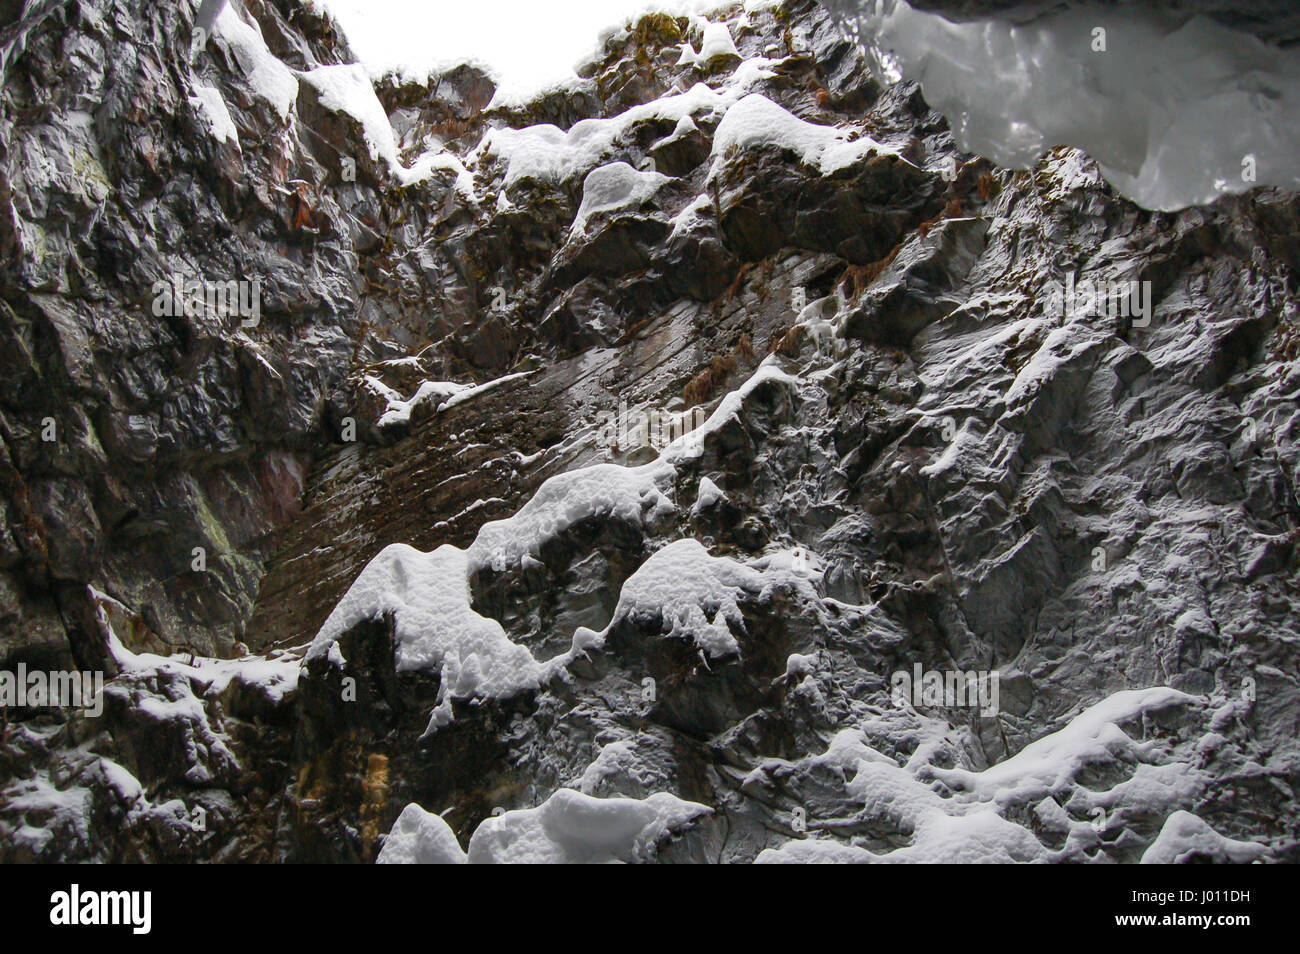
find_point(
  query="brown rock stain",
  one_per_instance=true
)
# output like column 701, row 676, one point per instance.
column 374, row 798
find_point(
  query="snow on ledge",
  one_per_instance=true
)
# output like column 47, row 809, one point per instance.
column 1048, row 765
column 1185, row 835
column 612, row 187
column 757, row 121
column 568, row 828
column 347, row 88
column 548, row 154
column 270, row 79
column 428, row 594
column 275, row 676
column 447, row 394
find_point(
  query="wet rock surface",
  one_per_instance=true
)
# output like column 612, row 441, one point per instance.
column 912, row 457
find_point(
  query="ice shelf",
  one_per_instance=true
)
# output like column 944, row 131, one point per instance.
column 1177, row 111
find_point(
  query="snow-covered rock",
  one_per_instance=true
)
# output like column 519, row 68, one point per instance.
column 420, row 838
column 378, row 549
column 573, row 828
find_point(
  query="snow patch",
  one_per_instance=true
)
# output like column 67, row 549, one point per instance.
column 420, row 838
column 614, row 186
column 207, row 100
column 270, row 79
column 1185, row 835
column 573, row 828
column 347, row 88
column 757, row 121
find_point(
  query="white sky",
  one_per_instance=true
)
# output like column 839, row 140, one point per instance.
column 529, row 44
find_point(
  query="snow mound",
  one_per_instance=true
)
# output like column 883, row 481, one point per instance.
column 715, row 44
column 428, row 597
column 708, row 495
column 1185, row 835
column 798, row 665
column 573, row 828
column 757, row 121
column 420, row 838
column 1177, row 112
column 614, row 759
column 693, row 593
column 614, row 186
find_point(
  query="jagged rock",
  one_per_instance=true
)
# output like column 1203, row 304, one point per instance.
column 796, row 417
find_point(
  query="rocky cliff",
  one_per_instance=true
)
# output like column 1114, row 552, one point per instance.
column 422, row 466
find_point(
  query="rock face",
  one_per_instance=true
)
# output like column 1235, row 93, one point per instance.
column 694, row 405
